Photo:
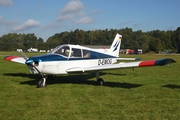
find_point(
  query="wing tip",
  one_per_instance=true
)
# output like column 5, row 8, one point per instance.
column 159, row 62
column 164, row 61
column 10, row 57
column 137, row 58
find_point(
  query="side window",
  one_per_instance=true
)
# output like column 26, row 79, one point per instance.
column 86, row 53
column 76, row 52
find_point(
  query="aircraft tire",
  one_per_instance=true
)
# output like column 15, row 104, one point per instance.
column 40, row 83
column 100, row 81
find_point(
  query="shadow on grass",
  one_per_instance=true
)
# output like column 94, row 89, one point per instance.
column 171, row 86
column 73, row 79
column 122, row 85
column 24, row 75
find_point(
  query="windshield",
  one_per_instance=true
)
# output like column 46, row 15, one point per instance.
column 62, row 50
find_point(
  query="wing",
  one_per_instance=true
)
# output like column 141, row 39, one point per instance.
column 15, row 59
column 160, row 62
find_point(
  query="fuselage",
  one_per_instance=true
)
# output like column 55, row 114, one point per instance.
column 66, row 57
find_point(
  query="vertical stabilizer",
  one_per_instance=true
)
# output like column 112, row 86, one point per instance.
column 115, row 47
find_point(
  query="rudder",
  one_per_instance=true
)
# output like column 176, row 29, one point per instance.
column 115, row 47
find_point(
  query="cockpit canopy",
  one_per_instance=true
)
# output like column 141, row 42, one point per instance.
column 62, row 50
column 69, row 51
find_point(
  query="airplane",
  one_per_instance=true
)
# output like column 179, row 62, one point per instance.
column 68, row 58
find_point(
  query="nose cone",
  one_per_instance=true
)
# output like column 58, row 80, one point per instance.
column 30, row 61
column 44, row 58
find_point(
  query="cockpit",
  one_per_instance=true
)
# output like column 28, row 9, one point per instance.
column 69, row 51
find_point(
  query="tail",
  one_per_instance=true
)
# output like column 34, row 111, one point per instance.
column 115, row 47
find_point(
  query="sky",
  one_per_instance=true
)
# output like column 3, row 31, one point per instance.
column 45, row 18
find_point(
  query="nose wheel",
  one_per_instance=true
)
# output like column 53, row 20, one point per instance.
column 41, row 83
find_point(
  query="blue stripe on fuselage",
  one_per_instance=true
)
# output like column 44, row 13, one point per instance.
column 57, row 57
column 48, row 57
column 97, row 55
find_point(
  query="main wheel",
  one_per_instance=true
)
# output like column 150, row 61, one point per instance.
column 41, row 83
column 100, row 81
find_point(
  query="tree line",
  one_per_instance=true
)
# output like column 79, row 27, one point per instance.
column 156, row 40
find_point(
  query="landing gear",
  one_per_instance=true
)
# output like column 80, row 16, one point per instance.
column 100, row 81
column 41, row 83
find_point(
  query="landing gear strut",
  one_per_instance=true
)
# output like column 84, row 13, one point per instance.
column 100, row 81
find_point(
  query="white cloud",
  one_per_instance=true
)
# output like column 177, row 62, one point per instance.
column 6, row 2
column 72, row 9
column 6, row 22
column 85, row 20
column 27, row 25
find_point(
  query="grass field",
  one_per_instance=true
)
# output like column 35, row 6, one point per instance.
column 146, row 93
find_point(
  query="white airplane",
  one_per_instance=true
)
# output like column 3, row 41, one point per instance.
column 66, row 59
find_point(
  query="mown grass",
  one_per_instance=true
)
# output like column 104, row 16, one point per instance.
column 146, row 93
